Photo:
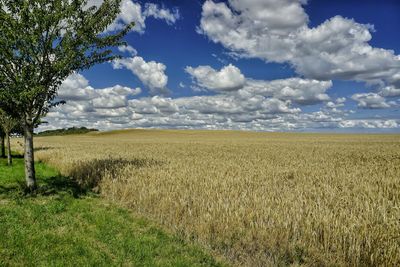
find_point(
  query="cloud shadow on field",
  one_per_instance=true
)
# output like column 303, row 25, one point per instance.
column 89, row 174
column 43, row 148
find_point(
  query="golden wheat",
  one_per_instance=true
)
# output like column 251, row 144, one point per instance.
column 256, row 198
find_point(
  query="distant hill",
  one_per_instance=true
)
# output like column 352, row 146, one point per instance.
column 67, row 131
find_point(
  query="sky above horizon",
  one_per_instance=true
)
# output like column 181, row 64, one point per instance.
column 264, row 65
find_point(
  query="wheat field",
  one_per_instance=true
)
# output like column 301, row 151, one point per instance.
column 255, row 199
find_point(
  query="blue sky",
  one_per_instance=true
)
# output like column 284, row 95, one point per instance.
column 273, row 65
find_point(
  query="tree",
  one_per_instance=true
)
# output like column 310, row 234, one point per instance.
column 8, row 123
column 2, row 144
column 42, row 42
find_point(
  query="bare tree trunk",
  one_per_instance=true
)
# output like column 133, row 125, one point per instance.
column 3, row 146
column 9, row 158
column 29, row 158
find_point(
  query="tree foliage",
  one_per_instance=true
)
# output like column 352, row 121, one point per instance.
column 7, row 122
column 42, row 42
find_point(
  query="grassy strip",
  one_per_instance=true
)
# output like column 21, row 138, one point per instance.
column 64, row 226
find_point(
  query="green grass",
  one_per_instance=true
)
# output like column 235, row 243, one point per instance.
column 65, row 226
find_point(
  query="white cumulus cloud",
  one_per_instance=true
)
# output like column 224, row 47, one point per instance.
column 277, row 30
column 370, row 101
column 300, row 91
column 230, row 79
column 132, row 11
column 128, row 49
column 390, row 91
column 155, row 11
column 151, row 74
column 227, row 79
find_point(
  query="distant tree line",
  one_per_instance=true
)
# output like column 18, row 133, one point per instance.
column 67, row 131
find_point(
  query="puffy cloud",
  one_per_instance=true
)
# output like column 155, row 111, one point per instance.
column 119, row 90
column 132, row 12
column 112, row 107
column 390, row 91
column 153, row 10
column 76, row 87
column 232, row 104
column 83, row 100
column 370, row 124
column 114, row 97
column 151, row 74
column 206, row 112
column 336, row 104
column 272, row 15
column 154, row 105
column 339, row 49
column 370, row 101
column 300, row 91
column 336, row 49
column 254, row 29
column 258, row 105
column 128, row 49
column 229, row 78
column 336, row 107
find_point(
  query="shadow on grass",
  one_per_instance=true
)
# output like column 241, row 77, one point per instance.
column 61, row 184
column 48, row 186
column 84, row 179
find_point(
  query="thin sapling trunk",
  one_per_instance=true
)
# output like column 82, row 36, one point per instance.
column 3, row 146
column 9, row 157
